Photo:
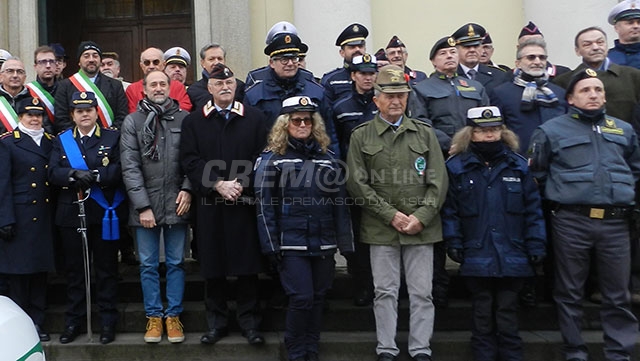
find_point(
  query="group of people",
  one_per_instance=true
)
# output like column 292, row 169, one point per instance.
column 392, row 168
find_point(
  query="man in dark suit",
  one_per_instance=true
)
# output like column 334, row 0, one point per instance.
column 468, row 40
column 89, row 79
column 88, row 157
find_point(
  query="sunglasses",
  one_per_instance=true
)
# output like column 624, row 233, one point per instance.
column 298, row 121
column 154, row 61
column 532, row 57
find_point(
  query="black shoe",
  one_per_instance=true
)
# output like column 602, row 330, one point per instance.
column 128, row 257
column 214, row 335
column 69, row 334
column 364, row 297
column 253, row 336
column 527, row 296
column 107, row 334
column 385, row 356
column 43, row 335
column 440, row 300
column 422, row 357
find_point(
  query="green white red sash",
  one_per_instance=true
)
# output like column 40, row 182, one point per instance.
column 84, row 84
column 37, row 91
column 8, row 116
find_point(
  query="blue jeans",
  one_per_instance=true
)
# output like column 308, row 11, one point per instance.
column 148, row 240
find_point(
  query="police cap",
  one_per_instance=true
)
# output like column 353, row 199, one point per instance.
column 279, row 28
column 354, row 34
column 283, row 43
column 298, row 104
column 484, row 117
column 81, row 100
column 626, row 10
column 4, row 55
column 58, row 51
column 364, row 63
column 470, row 34
column 177, row 55
column 30, row 105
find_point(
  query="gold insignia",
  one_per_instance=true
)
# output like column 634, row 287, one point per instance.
column 487, row 113
column 451, row 42
column 178, row 52
column 304, row 101
column 35, row 101
column 83, row 95
column 591, row 72
column 610, row 123
column 356, row 29
column 470, row 31
column 395, row 76
column 287, row 39
column 105, row 161
column 366, row 58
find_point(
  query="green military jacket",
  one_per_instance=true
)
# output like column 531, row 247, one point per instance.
column 402, row 171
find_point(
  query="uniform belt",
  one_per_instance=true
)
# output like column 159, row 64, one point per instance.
column 597, row 212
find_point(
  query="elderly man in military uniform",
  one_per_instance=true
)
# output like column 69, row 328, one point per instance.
column 217, row 149
column 625, row 18
column 397, row 54
column 26, row 242
column 398, row 174
column 586, row 162
column 88, row 157
column 468, row 40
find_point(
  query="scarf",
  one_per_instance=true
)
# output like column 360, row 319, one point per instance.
column 535, row 91
column 590, row 116
column 490, row 152
column 150, row 133
column 36, row 135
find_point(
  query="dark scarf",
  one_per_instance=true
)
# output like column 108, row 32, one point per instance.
column 150, row 133
column 489, row 152
column 308, row 147
column 536, row 92
column 591, row 116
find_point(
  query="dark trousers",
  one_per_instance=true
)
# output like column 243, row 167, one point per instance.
column 4, row 285
column 217, row 293
column 577, row 237
column 440, row 275
column 494, row 331
column 29, row 291
column 306, row 281
column 104, row 263
column 359, row 264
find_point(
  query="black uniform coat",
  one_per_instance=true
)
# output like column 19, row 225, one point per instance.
column 102, row 152
column 226, row 231
column 24, row 201
column 110, row 88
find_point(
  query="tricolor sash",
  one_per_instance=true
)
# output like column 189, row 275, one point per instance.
column 37, row 91
column 8, row 115
column 84, row 84
column 110, row 221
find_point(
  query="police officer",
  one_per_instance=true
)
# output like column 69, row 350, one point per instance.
column 88, row 157
column 468, row 40
column 625, row 18
column 26, row 242
column 349, row 112
column 352, row 42
column 587, row 162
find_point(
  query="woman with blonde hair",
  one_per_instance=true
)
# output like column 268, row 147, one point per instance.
column 492, row 226
column 303, row 218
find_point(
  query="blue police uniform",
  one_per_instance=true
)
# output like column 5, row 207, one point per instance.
column 588, row 165
column 260, row 74
column 306, row 223
column 337, row 83
column 349, row 112
column 625, row 54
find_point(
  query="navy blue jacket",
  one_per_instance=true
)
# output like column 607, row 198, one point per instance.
column 348, row 113
column 625, row 54
column 337, row 83
column 494, row 215
column 508, row 97
column 301, row 202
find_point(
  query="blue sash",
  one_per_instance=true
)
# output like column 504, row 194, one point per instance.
column 110, row 222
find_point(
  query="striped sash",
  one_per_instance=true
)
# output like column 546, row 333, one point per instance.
column 84, row 84
column 37, row 91
column 8, row 116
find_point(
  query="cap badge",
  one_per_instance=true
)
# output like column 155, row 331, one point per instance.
column 395, row 75
column 178, row 52
column 366, row 58
column 591, row 72
column 470, row 31
column 83, row 95
column 35, row 101
column 487, row 114
column 226, row 72
column 356, row 29
column 451, row 42
column 304, row 101
column 287, row 39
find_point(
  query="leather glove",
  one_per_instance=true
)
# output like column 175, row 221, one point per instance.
column 536, row 259
column 8, row 232
column 84, row 178
column 456, row 254
column 275, row 259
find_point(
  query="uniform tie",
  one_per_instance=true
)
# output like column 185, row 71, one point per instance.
column 472, row 74
column 224, row 113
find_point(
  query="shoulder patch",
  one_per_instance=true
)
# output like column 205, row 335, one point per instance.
column 496, row 67
column 208, row 108
column 238, row 108
column 49, row 136
column 5, row 135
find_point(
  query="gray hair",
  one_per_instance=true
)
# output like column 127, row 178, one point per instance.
column 531, row 42
column 212, row 46
column 3, row 67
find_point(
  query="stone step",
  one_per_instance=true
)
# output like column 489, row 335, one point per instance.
column 335, row 346
column 340, row 315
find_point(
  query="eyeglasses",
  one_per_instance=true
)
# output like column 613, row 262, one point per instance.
column 284, row 60
column 46, row 62
column 59, row 61
column 298, row 121
column 487, row 130
column 14, row 71
column 532, row 57
column 148, row 62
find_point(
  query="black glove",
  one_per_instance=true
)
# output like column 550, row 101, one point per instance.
column 456, row 254
column 536, row 259
column 275, row 259
column 83, row 178
column 8, row 232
